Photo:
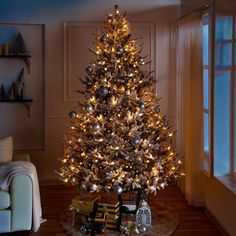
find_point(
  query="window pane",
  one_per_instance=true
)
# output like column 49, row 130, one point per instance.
column 222, row 122
column 205, row 30
column 206, row 132
column 235, row 27
column 205, row 89
column 223, row 27
column 223, row 54
column 235, row 123
column 235, row 54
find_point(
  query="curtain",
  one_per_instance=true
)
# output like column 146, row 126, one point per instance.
column 190, row 105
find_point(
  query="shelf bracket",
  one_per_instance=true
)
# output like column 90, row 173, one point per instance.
column 27, row 61
column 28, row 106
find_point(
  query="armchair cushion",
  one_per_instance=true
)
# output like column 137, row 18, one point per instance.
column 4, row 199
column 5, row 219
column 6, row 149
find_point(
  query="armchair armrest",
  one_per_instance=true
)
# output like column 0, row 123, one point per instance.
column 21, row 157
column 21, row 203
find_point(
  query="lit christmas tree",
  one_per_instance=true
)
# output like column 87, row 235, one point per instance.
column 120, row 140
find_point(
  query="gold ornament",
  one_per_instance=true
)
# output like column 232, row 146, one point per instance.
column 121, row 89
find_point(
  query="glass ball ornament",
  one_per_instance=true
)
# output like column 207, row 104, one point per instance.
column 118, row 189
column 136, row 140
column 88, row 108
column 142, row 106
column 105, row 113
column 72, row 114
column 96, row 126
column 72, row 159
column 103, row 91
column 143, row 229
column 166, row 123
column 141, row 59
column 120, row 49
column 84, row 229
column 89, row 69
column 73, row 179
column 157, row 109
column 103, row 38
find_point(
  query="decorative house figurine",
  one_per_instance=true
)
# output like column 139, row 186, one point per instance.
column 143, row 215
column 2, row 92
column 19, row 84
column 18, row 44
column 11, row 92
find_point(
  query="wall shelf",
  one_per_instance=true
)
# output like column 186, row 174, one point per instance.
column 25, row 57
column 27, row 103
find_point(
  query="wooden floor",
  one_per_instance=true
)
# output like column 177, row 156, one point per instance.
column 192, row 221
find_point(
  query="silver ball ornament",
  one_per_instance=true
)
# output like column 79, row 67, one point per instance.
column 118, row 189
column 143, row 229
column 88, row 108
column 136, row 140
column 73, row 179
column 83, row 229
column 96, row 126
column 72, row 114
column 157, row 109
column 71, row 158
column 89, row 69
column 141, row 59
column 120, row 49
column 166, row 123
column 103, row 91
column 142, row 106
column 103, row 38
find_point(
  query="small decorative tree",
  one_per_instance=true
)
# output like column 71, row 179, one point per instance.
column 118, row 140
column 18, row 44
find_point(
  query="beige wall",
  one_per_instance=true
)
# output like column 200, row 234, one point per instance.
column 221, row 203
column 56, row 108
column 15, row 119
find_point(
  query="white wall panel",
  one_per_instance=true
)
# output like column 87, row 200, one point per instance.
column 79, row 37
column 26, row 129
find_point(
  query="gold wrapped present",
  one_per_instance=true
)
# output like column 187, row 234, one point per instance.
column 84, row 203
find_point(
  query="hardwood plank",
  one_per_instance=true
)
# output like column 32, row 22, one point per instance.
column 192, row 221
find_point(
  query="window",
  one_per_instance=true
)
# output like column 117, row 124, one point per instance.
column 205, row 35
column 223, row 95
column 224, row 100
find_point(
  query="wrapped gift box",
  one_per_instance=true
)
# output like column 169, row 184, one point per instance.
column 85, row 203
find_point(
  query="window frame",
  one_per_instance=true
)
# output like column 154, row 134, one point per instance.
column 212, row 70
column 232, row 69
column 207, row 155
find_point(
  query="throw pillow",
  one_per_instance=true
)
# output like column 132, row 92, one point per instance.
column 6, row 149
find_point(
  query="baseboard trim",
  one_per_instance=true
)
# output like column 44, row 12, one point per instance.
column 50, row 182
column 198, row 202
